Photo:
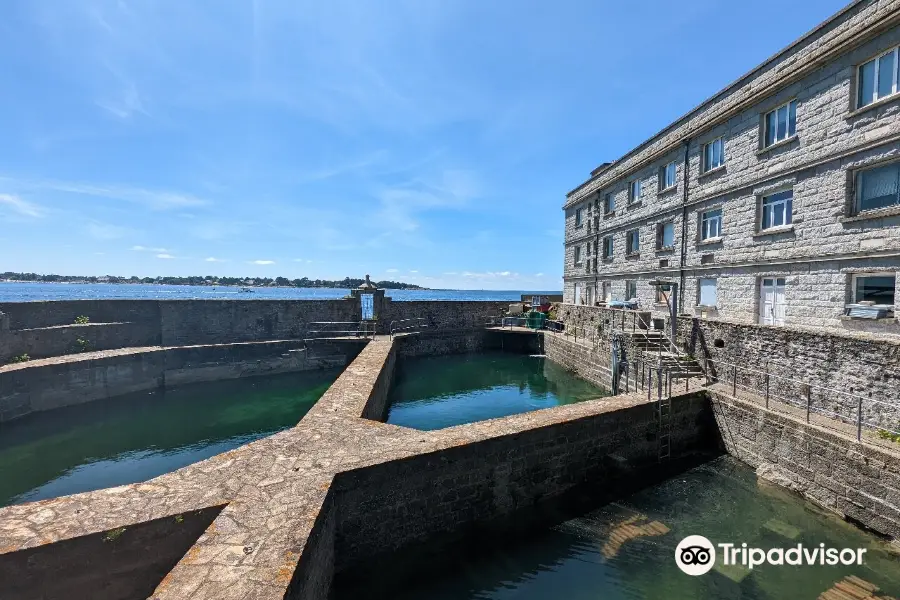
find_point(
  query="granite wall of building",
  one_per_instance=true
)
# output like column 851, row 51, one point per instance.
column 827, row 241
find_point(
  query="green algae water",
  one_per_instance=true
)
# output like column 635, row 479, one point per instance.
column 441, row 391
column 626, row 550
column 138, row 436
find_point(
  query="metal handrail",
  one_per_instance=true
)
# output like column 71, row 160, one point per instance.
column 806, row 387
column 332, row 328
column 417, row 323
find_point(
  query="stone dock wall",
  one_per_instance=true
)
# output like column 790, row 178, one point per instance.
column 45, row 329
column 54, row 383
column 855, row 480
column 515, row 463
column 839, row 367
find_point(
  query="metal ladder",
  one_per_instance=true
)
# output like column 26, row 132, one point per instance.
column 664, row 421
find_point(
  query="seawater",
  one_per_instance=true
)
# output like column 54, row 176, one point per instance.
column 14, row 291
column 626, row 550
column 138, row 436
column 441, row 391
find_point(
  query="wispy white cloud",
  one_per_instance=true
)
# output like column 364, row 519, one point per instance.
column 392, row 270
column 146, row 249
column 261, row 262
column 22, row 207
column 213, row 259
column 164, row 255
column 154, row 199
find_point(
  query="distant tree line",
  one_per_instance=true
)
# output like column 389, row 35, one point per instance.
column 210, row 280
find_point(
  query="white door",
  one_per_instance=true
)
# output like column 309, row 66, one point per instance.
column 577, row 293
column 771, row 301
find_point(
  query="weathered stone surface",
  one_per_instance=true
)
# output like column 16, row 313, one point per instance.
column 826, row 243
column 341, row 487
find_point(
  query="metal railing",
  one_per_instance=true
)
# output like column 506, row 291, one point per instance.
column 408, row 325
column 335, row 329
column 846, row 407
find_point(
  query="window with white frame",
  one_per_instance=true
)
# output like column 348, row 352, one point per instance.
column 877, row 188
column 879, row 288
column 665, row 236
column 707, row 294
column 607, row 247
column 776, row 210
column 633, row 242
column 577, row 255
column 714, row 154
column 634, row 191
column 609, row 203
column 606, row 291
column 877, row 78
column 577, row 293
column 578, row 216
column 667, row 176
column 780, row 124
column 630, row 289
column 711, row 224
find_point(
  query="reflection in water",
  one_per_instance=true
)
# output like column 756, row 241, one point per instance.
column 441, row 391
column 601, row 554
column 138, row 436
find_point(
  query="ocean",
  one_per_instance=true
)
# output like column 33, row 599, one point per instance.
column 14, row 291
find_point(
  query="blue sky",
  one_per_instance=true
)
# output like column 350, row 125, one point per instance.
column 424, row 141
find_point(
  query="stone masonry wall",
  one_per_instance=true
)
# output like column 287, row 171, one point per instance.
column 855, row 480
column 43, row 329
column 70, row 339
column 826, row 242
column 46, row 385
column 388, row 506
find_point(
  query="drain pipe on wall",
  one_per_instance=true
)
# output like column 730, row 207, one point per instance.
column 687, row 145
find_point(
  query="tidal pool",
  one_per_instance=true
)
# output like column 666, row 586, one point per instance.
column 441, row 391
column 138, row 436
column 627, row 549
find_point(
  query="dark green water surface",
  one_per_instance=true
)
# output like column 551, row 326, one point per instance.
column 575, row 559
column 441, row 391
column 138, row 436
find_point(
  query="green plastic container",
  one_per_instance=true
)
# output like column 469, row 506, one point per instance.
column 535, row 319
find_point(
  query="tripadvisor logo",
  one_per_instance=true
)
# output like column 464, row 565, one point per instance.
column 696, row 555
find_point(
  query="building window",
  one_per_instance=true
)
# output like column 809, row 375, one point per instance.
column 577, row 293
column 577, row 255
column 879, row 288
column 607, row 247
column 713, row 155
column 578, row 216
column 781, row 123
column 711, row 225
column 667, row 176
column 634, row 192
column 877, row 188
column 665, row 236
column 877, row 78
column 633, row 242
column 630, row 289
column 776, row 209
column 609, row 204
column 707, row 292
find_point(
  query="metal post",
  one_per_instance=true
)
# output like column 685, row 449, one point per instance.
column 767, row 386
column 649, row 384
column 859, row 420
column 659, row 383
column 734, row 381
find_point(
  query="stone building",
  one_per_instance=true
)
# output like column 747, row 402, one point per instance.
column 776, row 201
